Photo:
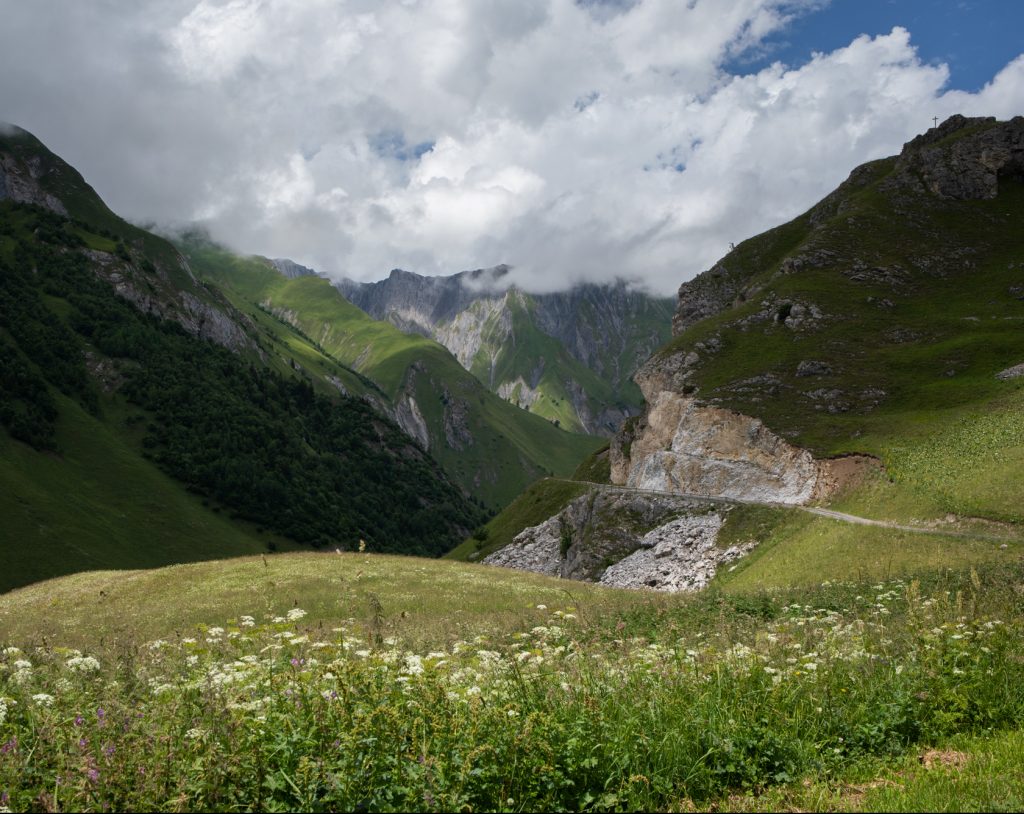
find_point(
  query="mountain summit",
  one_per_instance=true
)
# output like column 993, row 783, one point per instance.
column 568, row 356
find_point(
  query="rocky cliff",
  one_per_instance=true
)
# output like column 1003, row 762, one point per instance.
column 682, row 446
column 567, row 356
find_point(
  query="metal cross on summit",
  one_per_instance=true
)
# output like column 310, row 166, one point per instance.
column 935, row 121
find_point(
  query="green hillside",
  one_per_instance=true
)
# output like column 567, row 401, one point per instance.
column 129, row 440
column 492, row 449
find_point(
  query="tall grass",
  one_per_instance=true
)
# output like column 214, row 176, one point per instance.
column 658, row 708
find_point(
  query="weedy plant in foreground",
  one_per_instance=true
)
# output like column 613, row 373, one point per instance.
column 570, row 714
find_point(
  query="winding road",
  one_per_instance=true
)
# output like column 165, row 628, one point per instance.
column 842, row 517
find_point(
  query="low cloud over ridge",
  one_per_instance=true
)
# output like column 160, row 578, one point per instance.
column 571, row 140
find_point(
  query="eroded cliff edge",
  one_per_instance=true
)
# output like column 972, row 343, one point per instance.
column 681, row 446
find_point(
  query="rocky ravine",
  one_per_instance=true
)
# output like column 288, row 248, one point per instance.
column 626, row 540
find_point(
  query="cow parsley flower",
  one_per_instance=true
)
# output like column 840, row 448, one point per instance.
column 83, row 664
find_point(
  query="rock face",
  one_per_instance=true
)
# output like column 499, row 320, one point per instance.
column 970, row 168
column 625, row 540
column 539, row 351
column 681, row 555
column 684, row 447
column 291, row 269
column 20, row 184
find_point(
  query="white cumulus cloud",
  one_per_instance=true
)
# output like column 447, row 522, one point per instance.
column 571, row 140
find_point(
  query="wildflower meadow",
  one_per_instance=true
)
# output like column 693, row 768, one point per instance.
column 665, row 707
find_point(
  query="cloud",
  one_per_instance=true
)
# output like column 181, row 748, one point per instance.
column 575, row 141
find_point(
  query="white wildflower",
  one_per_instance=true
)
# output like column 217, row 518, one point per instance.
column 247, row 621
column 83, row 664
column 295, row 614
column 43, row 700
column 413, row 664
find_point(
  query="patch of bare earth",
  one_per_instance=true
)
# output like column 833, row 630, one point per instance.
column 944, row 759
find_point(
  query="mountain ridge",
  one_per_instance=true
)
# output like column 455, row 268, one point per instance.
column 566, row 355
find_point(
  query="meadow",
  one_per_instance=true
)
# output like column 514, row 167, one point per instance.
column 457, row 687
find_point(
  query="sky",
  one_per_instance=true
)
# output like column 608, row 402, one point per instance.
column 575, row 140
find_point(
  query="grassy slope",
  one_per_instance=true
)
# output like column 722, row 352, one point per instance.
column 511, row 447
column 795, row 548
column 423, row 601
column 65, row 513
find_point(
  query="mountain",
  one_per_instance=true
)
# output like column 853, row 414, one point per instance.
column 888, row 313
column 568, row 356
column 868, row 354
column 489, row 447
column 147, row 421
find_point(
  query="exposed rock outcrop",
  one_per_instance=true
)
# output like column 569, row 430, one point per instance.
column 626, row 540
column 150, row 292
column 685, row 447
column 682, row 555
column 970, row 167
column 20, row 183
column 1014, row 372
column 456, row 421
column 291, row 269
